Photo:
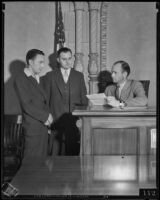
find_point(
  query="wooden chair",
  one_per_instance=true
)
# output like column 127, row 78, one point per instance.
column 146, row 84
column 13, row 145
column 104, row 80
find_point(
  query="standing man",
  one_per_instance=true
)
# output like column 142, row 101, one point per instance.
column 124, row 92
column 34, row 105
column 65, row 89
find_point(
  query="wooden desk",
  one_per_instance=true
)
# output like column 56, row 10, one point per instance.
column 112, row 131
column 86, row 175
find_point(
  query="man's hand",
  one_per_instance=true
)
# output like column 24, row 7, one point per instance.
column 79, row 123
column 112, row 101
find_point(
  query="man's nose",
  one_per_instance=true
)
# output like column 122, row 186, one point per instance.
column 42, row 65
column 68, row 62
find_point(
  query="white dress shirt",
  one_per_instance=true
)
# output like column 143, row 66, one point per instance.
column 65, row 73
column 120, row 86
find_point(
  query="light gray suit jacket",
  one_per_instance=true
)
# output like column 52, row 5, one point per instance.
column 132, row 93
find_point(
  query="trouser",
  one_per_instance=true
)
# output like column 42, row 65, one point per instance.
column 72, row 144
column 36, row 145
column 68, row 134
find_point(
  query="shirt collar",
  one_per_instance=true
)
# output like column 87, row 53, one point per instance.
column 122, row 84
column 28, row 73
column 63, row 70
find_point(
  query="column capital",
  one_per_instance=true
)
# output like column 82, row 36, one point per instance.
column 78, row 65
column 92, row 67
column 79, row 6
column 94, row 5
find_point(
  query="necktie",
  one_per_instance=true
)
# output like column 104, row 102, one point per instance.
column 65, row 76
column 118, row 92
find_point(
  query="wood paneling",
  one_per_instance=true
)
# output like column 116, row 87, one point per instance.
column 109, row 131
column 115, row 141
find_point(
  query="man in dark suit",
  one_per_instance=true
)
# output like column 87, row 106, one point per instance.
column 65, row 89
column 34, row 105
column 124, row 92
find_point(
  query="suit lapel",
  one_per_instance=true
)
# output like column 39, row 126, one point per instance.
column 125, row 89
column 59, row 80
column 71, row 79
column 37, row 86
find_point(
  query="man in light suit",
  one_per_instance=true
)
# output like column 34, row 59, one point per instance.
column 65, row 89
column 124, row 92
column 34, row 105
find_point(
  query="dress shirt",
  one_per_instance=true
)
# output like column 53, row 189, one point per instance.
column 28, row 73
column 120, row 87
column 65, row 73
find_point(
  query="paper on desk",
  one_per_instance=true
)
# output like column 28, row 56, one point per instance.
column 97, row 99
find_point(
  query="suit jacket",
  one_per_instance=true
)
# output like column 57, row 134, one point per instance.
column 132, row 93
column 55, row 88
column 34, row 104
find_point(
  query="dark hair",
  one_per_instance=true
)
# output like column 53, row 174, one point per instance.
column 31, row 54
column 124, row 65
column 63, row 49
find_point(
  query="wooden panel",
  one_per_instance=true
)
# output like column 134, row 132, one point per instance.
column 122, row 122
column 115, row 141
column 142, row 144
column 86, row 141
column 115, row 131
column 152, row 140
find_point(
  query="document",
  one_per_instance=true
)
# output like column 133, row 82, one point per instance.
column 97, row 99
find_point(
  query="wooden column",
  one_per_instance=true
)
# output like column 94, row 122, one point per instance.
column 93, row 65
column 79, row 8
column 103, row 36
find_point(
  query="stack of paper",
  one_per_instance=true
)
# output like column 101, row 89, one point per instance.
column 97, row 99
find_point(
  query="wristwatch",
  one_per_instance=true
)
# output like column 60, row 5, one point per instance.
column 122, row 104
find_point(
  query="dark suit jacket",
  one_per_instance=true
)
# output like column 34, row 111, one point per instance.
column 55, row 88
column 132, row 93
column 34, row 104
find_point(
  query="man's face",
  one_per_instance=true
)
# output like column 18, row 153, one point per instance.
column 65, row 60
column 117, row 74
column 37, row 64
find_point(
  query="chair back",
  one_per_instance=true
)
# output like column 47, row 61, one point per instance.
column 13, row 145
column 146, row 84
column 13, row 135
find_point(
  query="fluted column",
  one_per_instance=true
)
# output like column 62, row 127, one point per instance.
column 93, row 55
column 103, row 36
column 79, row 8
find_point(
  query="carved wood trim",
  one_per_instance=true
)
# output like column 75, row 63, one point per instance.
column 103, row 36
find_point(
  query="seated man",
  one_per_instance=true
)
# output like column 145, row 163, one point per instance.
column 124, row 92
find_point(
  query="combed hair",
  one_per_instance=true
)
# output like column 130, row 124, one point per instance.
column 124, row 65
column 31, row 54
column 63, row 49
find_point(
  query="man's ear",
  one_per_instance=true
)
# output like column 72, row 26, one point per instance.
column 30, row 61
column 58, row 60
column 125, row 74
